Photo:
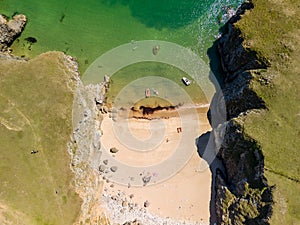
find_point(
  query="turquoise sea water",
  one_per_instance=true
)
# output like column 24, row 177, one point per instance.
column 87, row 29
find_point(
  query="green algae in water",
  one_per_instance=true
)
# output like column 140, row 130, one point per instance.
column 87, row 29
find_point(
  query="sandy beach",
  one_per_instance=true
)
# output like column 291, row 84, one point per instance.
column 144, row 147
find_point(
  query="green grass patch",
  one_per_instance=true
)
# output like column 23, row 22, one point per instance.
column 265, row 31
column 246, row 207
column 287, row 200
column 35, row 114
column 272, row 28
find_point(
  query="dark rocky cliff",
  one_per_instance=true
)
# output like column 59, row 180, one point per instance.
column 243, row 195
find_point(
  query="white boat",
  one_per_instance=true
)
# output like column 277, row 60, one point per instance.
column 186, row 81
column 155, row 91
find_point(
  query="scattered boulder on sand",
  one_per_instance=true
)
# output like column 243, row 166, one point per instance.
column 131, row 206
column 146, row 204
column 113, row 168
column 102, row 168
column 105, row 109
column 124, row 204
column 134, row 222
column 105, row 162
column 102, row 109
column 146, row 179
column 114, row 150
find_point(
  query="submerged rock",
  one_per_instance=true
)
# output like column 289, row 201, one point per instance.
column 155, row 49
column 31, row 40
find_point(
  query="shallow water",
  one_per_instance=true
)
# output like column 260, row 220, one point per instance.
column 87, row 29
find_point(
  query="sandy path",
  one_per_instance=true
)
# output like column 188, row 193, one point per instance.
column 143, row 145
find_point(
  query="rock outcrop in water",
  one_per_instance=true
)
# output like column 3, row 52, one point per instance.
column 10, row 30
column 243, row 195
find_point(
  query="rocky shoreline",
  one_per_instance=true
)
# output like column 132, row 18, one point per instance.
column 10, row 30
column 243, row 195
column 123, row 210
column 90, row 169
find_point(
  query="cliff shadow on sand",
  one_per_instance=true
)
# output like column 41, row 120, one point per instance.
column 206, row 150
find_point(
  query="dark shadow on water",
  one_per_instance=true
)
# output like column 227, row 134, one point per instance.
column 215, row 57
column 217, row 110
column 163, row 13
column 206, row 150
column 216, row 73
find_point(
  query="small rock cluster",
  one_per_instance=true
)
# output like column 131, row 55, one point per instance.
column 9, row 30
column 85, row 147
column 134, row 222
column 123, row 210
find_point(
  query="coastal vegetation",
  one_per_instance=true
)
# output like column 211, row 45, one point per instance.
column 272, row 29
column 269, row 34
column 36, row 183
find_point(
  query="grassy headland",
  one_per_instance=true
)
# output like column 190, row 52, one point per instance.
column 35, row 114
column 272, row 29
